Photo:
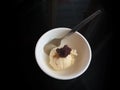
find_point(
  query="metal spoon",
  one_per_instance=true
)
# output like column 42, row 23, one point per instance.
column 56, row 42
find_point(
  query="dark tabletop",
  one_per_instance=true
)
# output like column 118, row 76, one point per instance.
column 32, row 18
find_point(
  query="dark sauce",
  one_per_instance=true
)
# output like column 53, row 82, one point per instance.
column 63, row 52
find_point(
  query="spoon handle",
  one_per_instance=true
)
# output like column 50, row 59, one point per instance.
column 84, row 22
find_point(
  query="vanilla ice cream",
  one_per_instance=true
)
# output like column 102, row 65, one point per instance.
column 61, row 62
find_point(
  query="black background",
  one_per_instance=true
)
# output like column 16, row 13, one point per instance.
column 28, row 19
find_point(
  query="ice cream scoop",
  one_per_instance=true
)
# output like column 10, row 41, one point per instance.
column 62, row 61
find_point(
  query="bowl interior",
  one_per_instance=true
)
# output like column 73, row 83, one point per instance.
column 75, row 41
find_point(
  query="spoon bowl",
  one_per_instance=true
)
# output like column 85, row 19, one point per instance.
column 53, row 43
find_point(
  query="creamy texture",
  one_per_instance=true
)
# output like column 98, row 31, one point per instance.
column 61, row 63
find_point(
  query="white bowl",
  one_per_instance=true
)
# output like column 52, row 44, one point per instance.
column 75, row 41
